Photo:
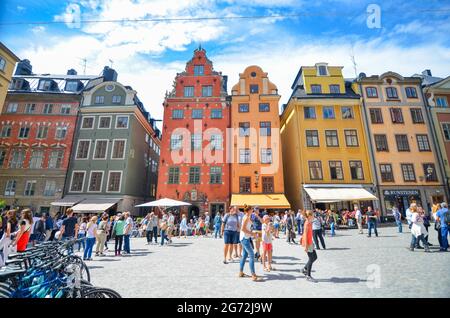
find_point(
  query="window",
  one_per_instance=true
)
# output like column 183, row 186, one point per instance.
column 416, row 115
column 310, row 112
column 356, row 170
column 42, row 132
column 429, row 170
column 2, row 63
column 312, row 138
column 351, row 138
column 99, row 99
column 347, row 112
column 244, row 129
column 381, row 143
column 176, row 142
column 177, row 114
column 446, row 130
column 65, row 109
column 114, row 180
column 244, row 185
column 154, row 166
column 48, row 108
column 104, row 123
column 30, row 188
column 216, row 142
column 336, row 172
column 87, row 123
column 265, row 128
column 316, row 89
column 45, row 85
column 411, row 92
column 116, row 99
column 50, row 188
column 194, row 175
column 16, row 159
column 386, row 172
column 402, row 142
column 391, row 93
column 244, row 156
column 396, row 115
column 118, row 151
column 24, row 132
column 56, row 159
column 198, row 70
column 335, row 89
column 122, row 122
column 267, row 185
column 189, row 91
column 207, row 91
column 12, row 108
column 264, row 107
column 71, row 86
column 2, row 157
column 197, row 113
column 77, row 181
column 423, row 143
column 254, row 89
column 376, row 116
column 6, row 131
column 315, row 170
column 408, row 172
column 30, row 108
column 322, row 70
column 196, row 141
column 95, row 184
column 371, row 92
column 216, row 113
column 174, row 175
column 83, row 149
column 36, row 160
column 215, row 175
column 243, row 108
column 61, row 133
column 266, row 155
column 331, row 137
column 441, row 101
column 328, row 112
column 10, row 189
column 101, row 148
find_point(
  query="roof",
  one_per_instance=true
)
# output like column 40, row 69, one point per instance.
column 4, row 47
column 428, row 80
column 300, row 92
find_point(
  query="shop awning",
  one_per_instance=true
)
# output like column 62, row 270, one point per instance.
column 67, row 201
column 338, row 194
column 95, row 205
column 267, row 201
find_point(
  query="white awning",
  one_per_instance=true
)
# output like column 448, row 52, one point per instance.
column 95, row 205
column 67, row 201
column 338, row 194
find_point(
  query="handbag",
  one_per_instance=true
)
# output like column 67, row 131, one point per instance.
column 292, row 234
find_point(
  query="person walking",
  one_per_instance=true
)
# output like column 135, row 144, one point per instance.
column 48, row 227
column 398, row 219
column 267, row 230
column 207, row 223
column 276, row 225
column 371, row 220
column 443, row 217
column 91, row 233
column 163, row 225
column 82, row 233
column 317, row 230
column 154, row 225
column 101, row 235
column 39, row 229
column 257, row 229
column 298, row 219
column 129, row 225
column 9, row 225
column 217, row 225
column 331, row 220
column 418, row 231
column 307, row 244
column 408, row 213
column 23, row 235
column 246, row 235
column 183, row 226
column 69, row 227
column 230, row 233
column 148, row 228
column 290, row 225
column 118, row 233
column 358, row 217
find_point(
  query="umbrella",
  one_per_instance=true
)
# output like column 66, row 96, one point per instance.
column 165, row 202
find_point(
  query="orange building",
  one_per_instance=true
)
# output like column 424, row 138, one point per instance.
column 256, row 160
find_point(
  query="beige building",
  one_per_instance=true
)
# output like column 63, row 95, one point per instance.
column 8, row 62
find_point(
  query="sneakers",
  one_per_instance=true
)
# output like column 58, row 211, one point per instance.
column 304, row 272
column 310, row 279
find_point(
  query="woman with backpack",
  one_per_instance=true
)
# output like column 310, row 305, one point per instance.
column 230, row 233
column 23, row 235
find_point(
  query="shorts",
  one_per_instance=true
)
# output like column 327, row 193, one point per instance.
column 276, row 226
column 231, row 237
column 258, row 236
column 267, row 246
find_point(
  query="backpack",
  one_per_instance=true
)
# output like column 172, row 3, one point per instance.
column 447, row 217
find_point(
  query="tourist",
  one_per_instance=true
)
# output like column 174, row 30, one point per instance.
column 290, row 226
column 230, row 233
column 276, row 225
column 413, row 206
column 9, row 226
column 267, row 229
column 238, row 247
column 82, row 233
column 170, row 226
column 163, row 225
column 118, row 233
column 183, row 226
column 331, row 220
column 48, row 227
column 56, row 227
column 418, row 231
column 91, row 233
column 129, row 225
column 246, row 235
column 217, row 225
column 317, row 230
column 371, row 220
column 23, row 235
column 102, row 231
column 426, row 222
column 154, row 226
column 207, row 223
column 358, row 217
column 443, row 218
column 398, row 218
column 284, row 222
column 148, row 228
column 39, row 229
column 69, row 226
column 257, row 229
column 307, row 243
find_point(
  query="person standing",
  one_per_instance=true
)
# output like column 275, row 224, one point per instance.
column 69, row 226
column 267, row 229
column 276, row 225
column 148, row 228
column 307, row 243
column 257, row 229
column 129, row 224
column 23, row 235
column 443, row 217
column 398, row 219
column 298, row 219
column 317, row 230
column 118, row 233
column 245, row 235
column 82, row 233
column 91, row 233
column 170, row 227
column 207, row 223
column 290, row 225
column 230, row 233
column 418, row 231
column 163, row 225
column 358, row 217
column 48, row 227
column 238, row 245
column 9, row 224
column 217, row 225
column 183, row 226
column 413, row 206
column 371, row 220
column 331, row 219
column 39, row 229
column 101, row 235
column 154, row 225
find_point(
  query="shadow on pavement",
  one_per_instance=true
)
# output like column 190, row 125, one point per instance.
column 94, row 267
column 279, row 277
column 340, row 280
column 286, row 257
column 337, row 249
column 104, row 259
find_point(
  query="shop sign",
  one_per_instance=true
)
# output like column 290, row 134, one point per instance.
column 401, row 192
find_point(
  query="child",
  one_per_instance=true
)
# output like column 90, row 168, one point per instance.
column 267, row 229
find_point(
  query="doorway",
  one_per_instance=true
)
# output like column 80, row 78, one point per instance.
column 216, row 208
column 193, row 211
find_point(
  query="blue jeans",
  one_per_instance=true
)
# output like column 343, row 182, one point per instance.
column 416, row 240
column 163, row 237
column 82, row 242
column 372, row 225
column 400, row 227
column 90, row 241
column 332, row 229
column 299, row 227
column 247, row 252
column 126, row 243
column 216, row 230
column 444, row 237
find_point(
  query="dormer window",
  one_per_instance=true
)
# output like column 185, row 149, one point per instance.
column 46, row 85
column 72, row 86
column 322, row 70
column 316, row 89
column 99, row 99
column 116, row 99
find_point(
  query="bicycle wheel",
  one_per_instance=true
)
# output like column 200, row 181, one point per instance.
column 96, row 292
column 84, row 270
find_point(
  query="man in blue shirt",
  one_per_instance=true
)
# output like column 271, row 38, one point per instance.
column 443, row 217
column 257, row 227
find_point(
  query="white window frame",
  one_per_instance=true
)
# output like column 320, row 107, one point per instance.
column 48, row 106
column 71, row 181
column 318, row 70
column 117, row 120
column 39, row 129
column 100, row 119
column 61, row 128
column 27, row 110
column 101, row 183
column 120, row 184
column 20, row 129
column 78, row 146
column 4, row 130
column 2, row 63
column 25, row 188
column 82, row 121
column 116, row 102
column 9, row 191
column 102, row 97
column 45, row 188
column 95, row 148
column 124, row 149
column 14, row 106
column 65, row 106
column 50, row 158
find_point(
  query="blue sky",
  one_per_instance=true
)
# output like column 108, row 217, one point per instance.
column 147, row 55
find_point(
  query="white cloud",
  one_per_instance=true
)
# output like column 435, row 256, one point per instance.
column 38, row 30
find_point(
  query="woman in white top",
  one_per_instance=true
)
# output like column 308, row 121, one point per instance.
column 183, row 226
column 91, row 234
column 246, row 235
column 418, row 230
column 82, row 233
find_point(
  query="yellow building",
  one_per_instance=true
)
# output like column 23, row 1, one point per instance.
column 8, row 62
column 325, row 158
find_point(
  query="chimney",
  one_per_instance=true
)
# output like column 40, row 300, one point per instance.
column 72, row 72
column 224, row 82
column 427, row 73
column 24, row 68
column 109, row 74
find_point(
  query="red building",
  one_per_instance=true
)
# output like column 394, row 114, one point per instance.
column 193, row 161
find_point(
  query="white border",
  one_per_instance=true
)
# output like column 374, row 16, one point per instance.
column 120, row 184
column 99, row 120
column 71, row 181
column 124, row 149
column 128, row 123
column 101, row 182
column 95, row 148
column 78, row 146
column 82, row 121
column 25, row 188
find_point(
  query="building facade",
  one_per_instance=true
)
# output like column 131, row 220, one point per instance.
column 324, row 142
column 193, row 163
column 115, row 155
column 404, row 154
column 256, row 165
column 8, row 62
